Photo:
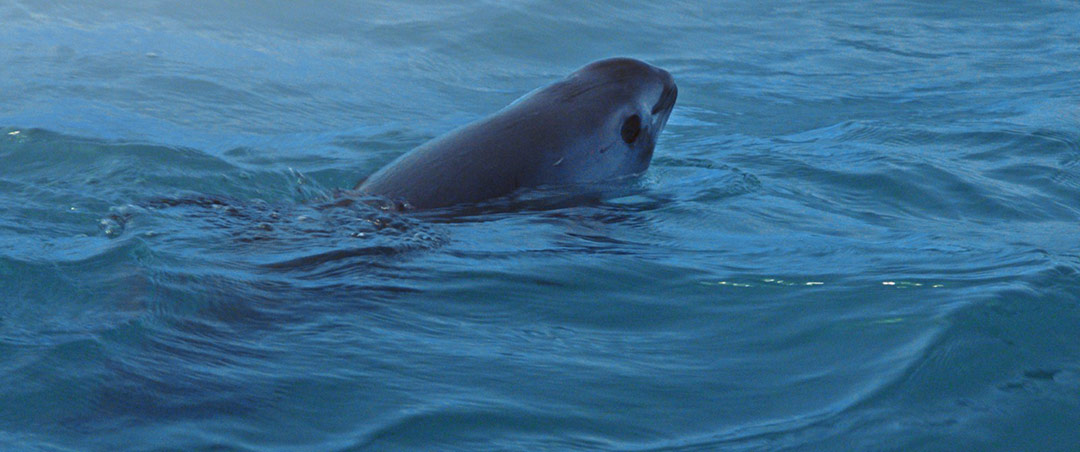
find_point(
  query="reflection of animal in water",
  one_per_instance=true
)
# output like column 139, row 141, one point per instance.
column 598, row 123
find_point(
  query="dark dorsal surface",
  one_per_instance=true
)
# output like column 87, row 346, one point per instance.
column 599, row 122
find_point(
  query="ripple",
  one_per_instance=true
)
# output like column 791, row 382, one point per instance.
column 859, row 229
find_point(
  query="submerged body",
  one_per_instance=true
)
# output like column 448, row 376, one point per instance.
column 598, row 123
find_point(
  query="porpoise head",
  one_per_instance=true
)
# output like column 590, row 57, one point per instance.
column 614, row 111
column 600, row 122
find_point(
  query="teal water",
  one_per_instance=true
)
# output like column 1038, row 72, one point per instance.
column 859, row 232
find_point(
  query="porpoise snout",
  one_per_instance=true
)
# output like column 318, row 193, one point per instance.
column 668, row 96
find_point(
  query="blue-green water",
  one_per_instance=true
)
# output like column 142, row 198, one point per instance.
column 860, row 231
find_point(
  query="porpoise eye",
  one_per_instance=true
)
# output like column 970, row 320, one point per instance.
column 631, row 128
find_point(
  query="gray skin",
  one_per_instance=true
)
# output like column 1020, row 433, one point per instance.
column 573, row 131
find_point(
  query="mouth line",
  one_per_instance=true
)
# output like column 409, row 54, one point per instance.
column 667, row 99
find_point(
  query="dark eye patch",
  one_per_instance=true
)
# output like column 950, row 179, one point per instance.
column 631, row 128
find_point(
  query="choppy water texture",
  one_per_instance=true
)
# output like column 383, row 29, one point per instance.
column 860, row 231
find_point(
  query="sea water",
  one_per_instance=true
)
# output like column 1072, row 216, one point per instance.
column 859, row 232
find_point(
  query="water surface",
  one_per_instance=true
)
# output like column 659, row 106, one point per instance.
column 860, row 231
